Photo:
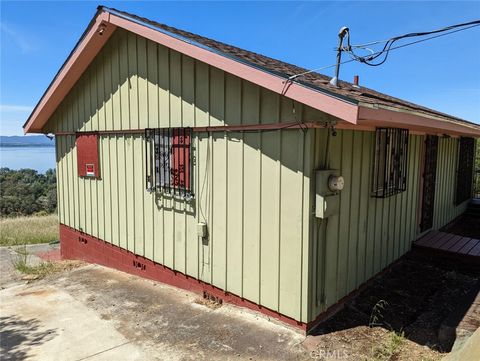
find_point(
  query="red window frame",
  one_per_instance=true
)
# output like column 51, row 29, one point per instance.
column 180, row 168
column 168, row 161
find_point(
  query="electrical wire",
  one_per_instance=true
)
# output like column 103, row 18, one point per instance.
column 387, row 48
column 299, row 122
column 389, row 43
column 293, row 77
column 474, row 22
column 205, row 181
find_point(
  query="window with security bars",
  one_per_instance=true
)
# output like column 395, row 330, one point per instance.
column 168, row 161
column 465, row 169
column 390, row 165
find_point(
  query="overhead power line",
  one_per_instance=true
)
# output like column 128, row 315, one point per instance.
column 366, row 59
column 451, row 27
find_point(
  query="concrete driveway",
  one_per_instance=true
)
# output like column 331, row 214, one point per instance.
column 95, row 313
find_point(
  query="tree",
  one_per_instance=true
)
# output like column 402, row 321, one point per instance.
column 25, row 192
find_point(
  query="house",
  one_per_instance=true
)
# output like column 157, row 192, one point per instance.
column 199, row 164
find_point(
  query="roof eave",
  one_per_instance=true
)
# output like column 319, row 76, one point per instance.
column 382, row 116
column 85, row 51
column 327, row 102
column 92, row 43
column 356, row 114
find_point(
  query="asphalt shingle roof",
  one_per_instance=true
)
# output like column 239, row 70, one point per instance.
column 319, row 81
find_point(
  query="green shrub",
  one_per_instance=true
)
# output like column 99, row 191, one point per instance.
column 25, row 192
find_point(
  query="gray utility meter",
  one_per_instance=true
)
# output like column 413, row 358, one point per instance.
column 328, row 185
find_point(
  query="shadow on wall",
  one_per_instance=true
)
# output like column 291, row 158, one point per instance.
column 196, row 93
column 18, row 335
column 129, row 67
column 176, row 203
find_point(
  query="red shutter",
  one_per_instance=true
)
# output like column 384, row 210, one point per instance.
column 87, row 155
column 180, row 169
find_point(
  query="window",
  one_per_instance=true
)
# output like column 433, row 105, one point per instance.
column 168, row 158
column 390, row 165
column 87, row 155
column 465, row 169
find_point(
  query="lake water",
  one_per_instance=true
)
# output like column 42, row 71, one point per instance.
column 38, row 158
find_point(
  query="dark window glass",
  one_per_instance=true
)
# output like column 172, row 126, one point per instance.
column 465, row 169
column 390, row 165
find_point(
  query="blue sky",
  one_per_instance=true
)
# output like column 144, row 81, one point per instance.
column 36, row 38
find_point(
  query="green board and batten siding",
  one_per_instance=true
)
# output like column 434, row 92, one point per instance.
column 368, row 233
column 445, row 188
column 254, row 190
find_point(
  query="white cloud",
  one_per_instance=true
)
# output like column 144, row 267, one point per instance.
column 15, row 108
column 25, row 45
column 12, row 117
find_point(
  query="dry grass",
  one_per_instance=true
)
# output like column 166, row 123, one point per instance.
column 40, row 270
column 44, row 269
column 389, row 348
column 28, row 230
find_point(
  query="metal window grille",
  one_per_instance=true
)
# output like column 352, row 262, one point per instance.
column 390, row 165
column 429, row 179
column 168, row 161
column 476, row 181
column 465, row 169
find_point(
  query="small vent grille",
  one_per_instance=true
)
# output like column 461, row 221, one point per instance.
column 209, row 297
column 139, row 265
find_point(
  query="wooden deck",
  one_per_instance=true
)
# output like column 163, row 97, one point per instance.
column 450, row 243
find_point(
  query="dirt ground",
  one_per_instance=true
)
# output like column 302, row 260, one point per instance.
column 141, row 319
column 415, row 297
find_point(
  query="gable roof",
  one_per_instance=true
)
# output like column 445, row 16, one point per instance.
column 359, row 106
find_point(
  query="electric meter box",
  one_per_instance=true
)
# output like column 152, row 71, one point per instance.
column 327, row 202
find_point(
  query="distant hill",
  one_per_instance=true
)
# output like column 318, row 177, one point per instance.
column 26, row 141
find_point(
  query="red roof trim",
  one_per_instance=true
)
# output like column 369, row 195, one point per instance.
column 392, row 118
column 70, row 72
column 354, row 114
column 93, row 42
column 302, row 94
